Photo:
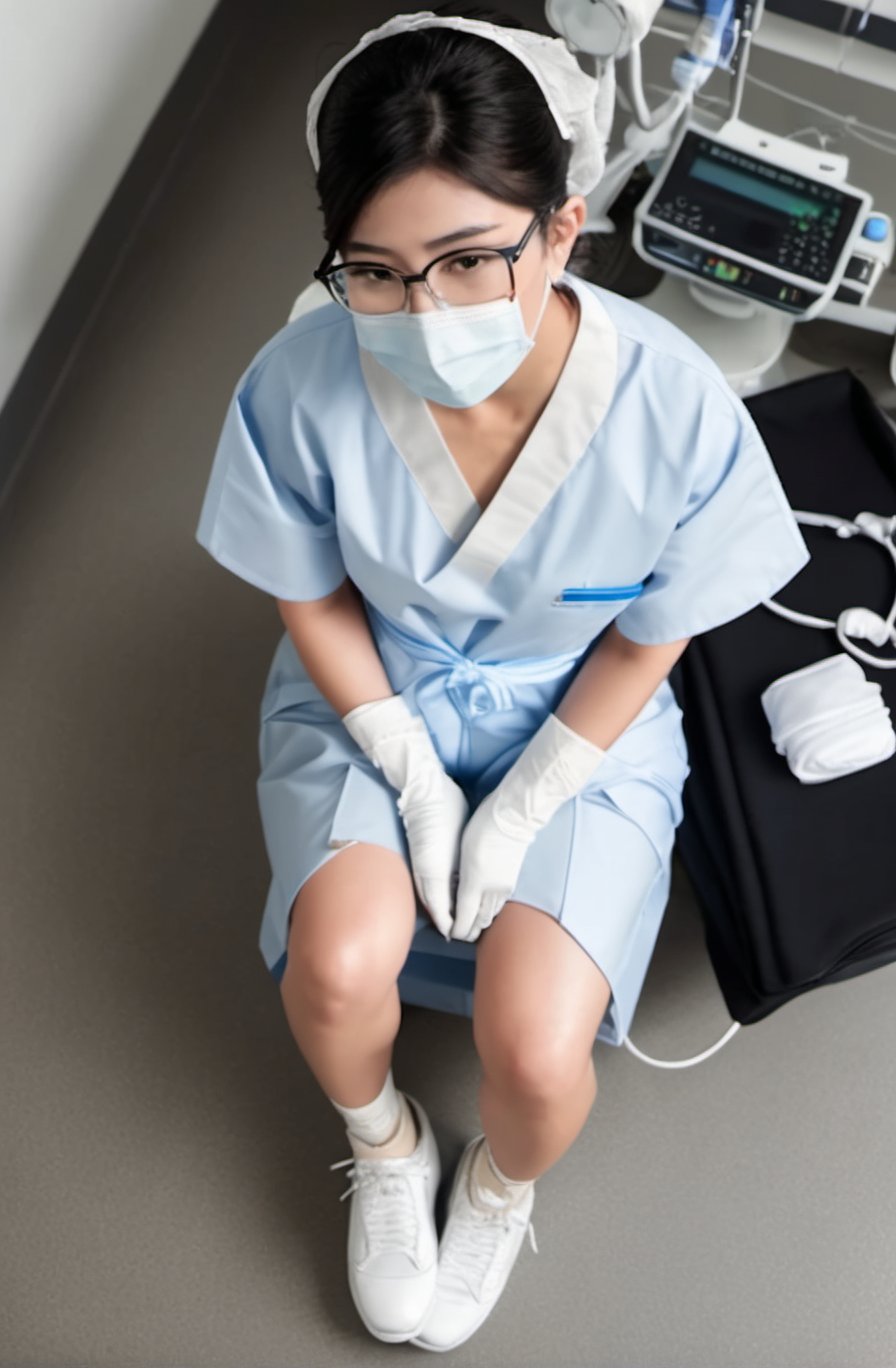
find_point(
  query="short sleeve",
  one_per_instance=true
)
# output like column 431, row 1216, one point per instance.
column 268, row 512
column 736, row 541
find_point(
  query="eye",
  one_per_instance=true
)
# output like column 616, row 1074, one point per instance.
column 462, row 265
column 371, row 275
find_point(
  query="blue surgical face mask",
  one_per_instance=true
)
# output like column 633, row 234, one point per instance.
column 456, row 356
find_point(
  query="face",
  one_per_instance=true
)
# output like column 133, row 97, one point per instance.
column 428, row 212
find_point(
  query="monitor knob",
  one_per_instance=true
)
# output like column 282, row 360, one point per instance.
column 875, row 229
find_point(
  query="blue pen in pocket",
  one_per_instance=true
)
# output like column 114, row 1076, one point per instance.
column 597, row 593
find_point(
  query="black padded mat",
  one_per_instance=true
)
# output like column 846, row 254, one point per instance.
column 795, row 881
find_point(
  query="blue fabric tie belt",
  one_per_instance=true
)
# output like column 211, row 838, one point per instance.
column 475, row 687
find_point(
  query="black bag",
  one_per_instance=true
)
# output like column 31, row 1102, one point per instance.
column 796, row 882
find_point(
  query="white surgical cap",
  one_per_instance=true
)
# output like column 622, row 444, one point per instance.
column 577, row 101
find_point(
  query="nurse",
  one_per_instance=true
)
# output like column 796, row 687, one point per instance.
column 493, row 503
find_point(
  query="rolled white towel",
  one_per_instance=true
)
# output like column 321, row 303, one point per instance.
column 829, row 720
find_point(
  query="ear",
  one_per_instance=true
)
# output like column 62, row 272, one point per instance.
column 563, row 228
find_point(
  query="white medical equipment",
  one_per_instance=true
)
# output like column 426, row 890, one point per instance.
column 753, row 231
column 761, row 216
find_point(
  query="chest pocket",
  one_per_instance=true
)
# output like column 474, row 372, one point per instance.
column 576, row 614
column 587, row 595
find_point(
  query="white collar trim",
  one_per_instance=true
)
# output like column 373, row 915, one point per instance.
column 561, row 436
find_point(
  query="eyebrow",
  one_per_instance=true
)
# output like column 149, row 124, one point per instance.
column 436, row 242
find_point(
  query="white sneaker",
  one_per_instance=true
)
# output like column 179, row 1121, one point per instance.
column 392, row 1237
column 477, row 1252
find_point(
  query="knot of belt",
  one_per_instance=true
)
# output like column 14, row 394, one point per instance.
column 475, row 691
column 475, row 687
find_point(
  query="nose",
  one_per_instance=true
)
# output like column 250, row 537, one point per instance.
column 419, row 300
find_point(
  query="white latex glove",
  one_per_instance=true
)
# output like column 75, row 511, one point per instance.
column 432, row 806
column 553, row 767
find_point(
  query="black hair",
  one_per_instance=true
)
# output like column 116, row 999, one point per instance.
column 443, row 98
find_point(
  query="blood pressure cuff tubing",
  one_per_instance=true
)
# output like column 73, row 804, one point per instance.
column 795, row 882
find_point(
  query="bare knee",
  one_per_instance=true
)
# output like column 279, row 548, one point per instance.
column 348, row 940
column 522, row 1060
column 337, row 981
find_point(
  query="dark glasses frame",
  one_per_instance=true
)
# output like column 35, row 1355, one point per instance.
column 510, row 254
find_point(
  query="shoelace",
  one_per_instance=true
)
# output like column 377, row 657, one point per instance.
column 388, row 1207
column 465, row 1260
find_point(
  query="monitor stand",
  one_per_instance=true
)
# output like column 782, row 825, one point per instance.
column 742, row 337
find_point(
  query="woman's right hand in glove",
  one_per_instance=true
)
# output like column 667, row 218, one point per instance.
column 432, row 806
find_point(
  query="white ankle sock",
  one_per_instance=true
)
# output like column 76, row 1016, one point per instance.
column 387, row 1119
column 485, row 1173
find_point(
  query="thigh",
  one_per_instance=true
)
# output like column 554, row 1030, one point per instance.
column 353, row 919
column 538, row 995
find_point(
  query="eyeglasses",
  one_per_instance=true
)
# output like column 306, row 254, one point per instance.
column 468, row 275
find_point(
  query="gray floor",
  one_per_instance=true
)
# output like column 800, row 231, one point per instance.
column 166, row 1193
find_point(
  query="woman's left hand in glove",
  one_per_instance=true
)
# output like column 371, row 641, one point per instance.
column 554, row 766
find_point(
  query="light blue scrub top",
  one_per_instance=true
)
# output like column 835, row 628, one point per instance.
column 644, row 478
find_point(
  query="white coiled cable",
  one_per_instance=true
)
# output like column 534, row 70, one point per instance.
column 863, row 623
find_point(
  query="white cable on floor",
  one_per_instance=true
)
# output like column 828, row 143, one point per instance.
column 683, row 1063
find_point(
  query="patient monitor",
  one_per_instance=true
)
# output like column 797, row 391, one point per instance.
column 753, row 230
column 763, row 217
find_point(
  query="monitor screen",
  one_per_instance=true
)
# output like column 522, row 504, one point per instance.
column 748, row 205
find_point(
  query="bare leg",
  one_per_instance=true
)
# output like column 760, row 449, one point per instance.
column 538, row 1003
column 350, row 932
